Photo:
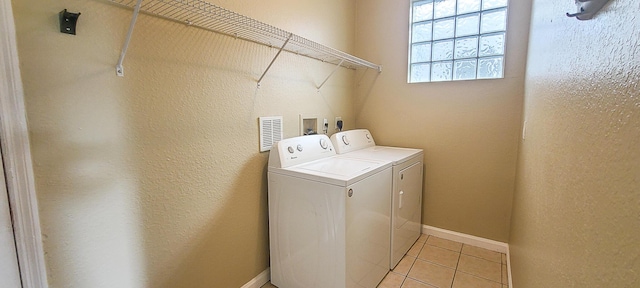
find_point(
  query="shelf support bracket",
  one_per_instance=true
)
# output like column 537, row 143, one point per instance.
column 334, row 71
column 136, row 11
column 274, row 58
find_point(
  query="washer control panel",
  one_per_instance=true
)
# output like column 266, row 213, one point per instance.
column 296, row 150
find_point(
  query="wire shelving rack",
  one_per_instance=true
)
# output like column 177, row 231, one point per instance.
column 210, row 17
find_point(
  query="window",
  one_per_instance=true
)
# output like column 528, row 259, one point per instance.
column 457, row 40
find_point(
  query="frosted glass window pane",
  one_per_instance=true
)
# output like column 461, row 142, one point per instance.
column 441, row 71
column 492, row 44
column 489, row 4
column 442, row 50
column 466, row 47
column 421, row 52
column 490, row 67
column 457, row 40
column 467, row 25
column 421, row 32
column 422, row 10
column 494, row 21
column 444, row 8
column 443, row 28
column 420, row 72
column 466, row 6
column 464, row 69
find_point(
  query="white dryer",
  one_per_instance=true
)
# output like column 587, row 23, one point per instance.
column 406, row 209
column 329, row 217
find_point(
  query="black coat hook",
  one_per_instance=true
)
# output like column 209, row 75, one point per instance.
column 576, row 14
column 587, row 8
column 68, row 21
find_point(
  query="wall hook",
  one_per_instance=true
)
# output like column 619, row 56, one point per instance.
column 587, row 8
column 576, row 14
column 68, row 22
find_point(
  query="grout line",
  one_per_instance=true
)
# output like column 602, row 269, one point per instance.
column 481, row 277
column 456, row 271
column 483, row 258
column 509, row 280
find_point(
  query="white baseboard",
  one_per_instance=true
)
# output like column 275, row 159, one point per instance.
column 472, row 240
column 259, row 280
column 466, row 239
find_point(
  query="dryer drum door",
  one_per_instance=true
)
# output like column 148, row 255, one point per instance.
column 407, row 212
column 409, row 194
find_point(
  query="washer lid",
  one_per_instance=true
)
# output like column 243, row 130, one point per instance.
column 335, row 170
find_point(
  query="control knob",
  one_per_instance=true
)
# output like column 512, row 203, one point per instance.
column 323, row 144
column 345, row 140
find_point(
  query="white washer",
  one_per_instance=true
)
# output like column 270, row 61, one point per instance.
column 406, row 211
column 329, row 217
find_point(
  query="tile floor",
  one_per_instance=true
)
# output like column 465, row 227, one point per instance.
column 436, row 262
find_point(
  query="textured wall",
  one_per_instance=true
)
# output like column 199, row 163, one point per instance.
column 468, row 129
column 155, row 179
column 576, row 220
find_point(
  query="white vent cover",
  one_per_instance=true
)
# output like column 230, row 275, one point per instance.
column 270, row 132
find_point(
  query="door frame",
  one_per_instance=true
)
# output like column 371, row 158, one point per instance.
column 16, row 155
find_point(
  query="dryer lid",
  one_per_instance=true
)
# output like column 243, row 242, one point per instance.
column 396, row 155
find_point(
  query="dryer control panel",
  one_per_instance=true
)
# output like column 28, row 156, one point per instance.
column 297, row 150
column 352, row 140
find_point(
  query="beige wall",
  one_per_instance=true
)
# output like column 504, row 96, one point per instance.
column 469, row 130
column 155, row 179
column 576, row 220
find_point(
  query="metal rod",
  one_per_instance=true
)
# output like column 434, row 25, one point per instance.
column 119, row 68
column 274, row 58
column 334, row 71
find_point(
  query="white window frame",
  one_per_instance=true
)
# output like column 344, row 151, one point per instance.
column 455, row 38
column 16, row 157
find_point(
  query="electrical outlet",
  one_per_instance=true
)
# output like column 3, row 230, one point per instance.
column 338, row 126
column 325, row 125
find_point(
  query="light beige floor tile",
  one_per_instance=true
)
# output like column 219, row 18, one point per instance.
column 504, row 258
column 464, row 280
column 415, row 249
column 482, row 253
column 392, row 280
column 480, row 267
column 444, row 243
column 268, row 285
column 404, row 265
column 440, row 256
column 432, row 274
column 410, row 283
column 505, row 275
column 423, row 238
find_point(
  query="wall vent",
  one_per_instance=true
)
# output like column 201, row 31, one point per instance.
column 270, row 132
